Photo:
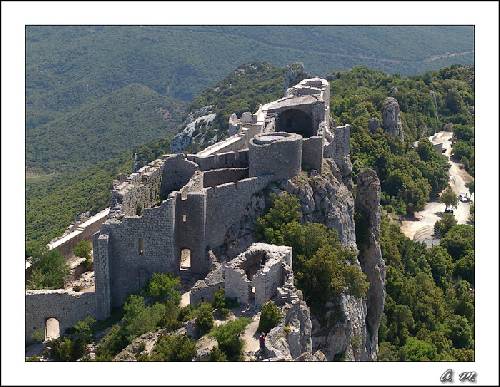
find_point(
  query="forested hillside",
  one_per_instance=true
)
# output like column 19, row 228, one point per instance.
column 102, row 129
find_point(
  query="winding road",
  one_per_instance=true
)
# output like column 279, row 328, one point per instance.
column 421, row 228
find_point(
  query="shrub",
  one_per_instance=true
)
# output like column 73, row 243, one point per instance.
column 83, row 249
column 221, row 303
column 111, row 344
column 458, row 240
column 228, row 338
column 49, row 271
column 204, row 318
column 139, row 318
column 417, row 350
column 61, row 349
column 441, row 227
column 270, row 316
column 174, row 348
column 164, row 287
column 38, row 336
column 217, row 355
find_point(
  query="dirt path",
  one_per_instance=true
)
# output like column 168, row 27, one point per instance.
column 250, row 337
column 421, row 228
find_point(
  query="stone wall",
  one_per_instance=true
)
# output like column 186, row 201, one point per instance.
column 140, row 190
column 263, row 267
column 68, row 307
column 226, row 204
column 102, row 279
column 204, row 290
column 276, row 154
column 84, row 231
column 225, row 175
column 130, row 268
column 312, row 153
column 177, row 172
column 233, row 159
column 190, row 225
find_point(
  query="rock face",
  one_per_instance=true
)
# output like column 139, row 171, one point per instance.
column 292, row 337
column 324, row 198
column 367, row 206
column 192, row 132
column 391, row 120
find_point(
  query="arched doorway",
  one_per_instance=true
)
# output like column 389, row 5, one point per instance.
column 52, row 330
column 295, row 121
column 185, row 262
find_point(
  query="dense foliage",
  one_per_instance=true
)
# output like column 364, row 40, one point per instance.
column 228, row 338
column 48, row 271
column 409, row 176
column 322, row 267
column 101, row 130
column 270, row 316
column 429, row 307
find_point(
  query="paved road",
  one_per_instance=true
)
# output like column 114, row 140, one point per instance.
column 421, row 228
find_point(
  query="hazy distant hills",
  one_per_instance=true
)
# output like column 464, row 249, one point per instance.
column 95, row 91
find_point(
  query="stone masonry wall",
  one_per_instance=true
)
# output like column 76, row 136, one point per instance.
column 140, row 190
column 312, row 153
column 225, row 175
column 101, row 270
column 233, row 159
column 226, row 203
column 129, row 269
column 68, row 307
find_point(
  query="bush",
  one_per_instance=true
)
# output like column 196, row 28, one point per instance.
column 83, row 249
column 174, row 348
column 417, row 350
column 111, row 344
column 50, row 270
column 38, row 336
column 221, row 303
column 270, row 316
column 139, row 318
column 204, row 318
column 228, row 337
column 217, row 355
column 441, row 227
column 459, row 240
column 164, row 287
column 61, row 349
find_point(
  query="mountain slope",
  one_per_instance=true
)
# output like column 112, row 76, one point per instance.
column 102, row 129
column 69, row 65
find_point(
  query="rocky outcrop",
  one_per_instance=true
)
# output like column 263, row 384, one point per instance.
column 325, row 199
column 391, row 118
column 292, row 337
column 367, row 206
column 294, row 74
column 194, row 129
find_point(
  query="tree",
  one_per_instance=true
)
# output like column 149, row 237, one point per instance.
column 228, row 337
column 459, row 240
column 164, row 287
column 449, row 198
column 270, row 316
column 174, row 348
column 204, row 318
column 418, row 350
column 460, row 331
column 50, row 270
column 441, row 227
column 83, row 249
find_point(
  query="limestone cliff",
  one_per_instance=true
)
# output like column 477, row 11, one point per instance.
column 351, row 328
column 391, row 118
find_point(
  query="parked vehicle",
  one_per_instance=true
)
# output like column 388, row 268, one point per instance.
column 464, row 198
column 448, row 211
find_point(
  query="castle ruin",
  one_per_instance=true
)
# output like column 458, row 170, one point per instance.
column 172, row 213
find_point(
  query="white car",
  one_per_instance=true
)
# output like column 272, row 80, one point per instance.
column 464, row 198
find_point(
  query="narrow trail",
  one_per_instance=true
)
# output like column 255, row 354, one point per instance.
column 250, row 338
column 421, row 228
